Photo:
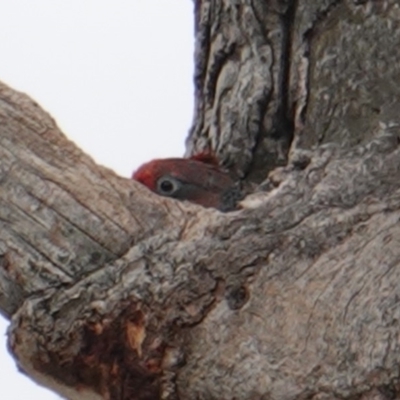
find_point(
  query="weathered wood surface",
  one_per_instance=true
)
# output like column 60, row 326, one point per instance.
column 116, row 293
column 316, row 70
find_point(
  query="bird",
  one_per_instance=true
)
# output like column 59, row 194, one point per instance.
column 198, row 179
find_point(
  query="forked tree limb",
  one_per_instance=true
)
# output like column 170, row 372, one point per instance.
column 129, row 295
column 116, row 293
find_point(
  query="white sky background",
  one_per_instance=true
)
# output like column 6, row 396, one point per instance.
column 117, row 78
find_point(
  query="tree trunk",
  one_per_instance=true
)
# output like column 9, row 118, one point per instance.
column 116, row 293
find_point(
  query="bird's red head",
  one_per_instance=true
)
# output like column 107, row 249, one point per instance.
column 197, row 179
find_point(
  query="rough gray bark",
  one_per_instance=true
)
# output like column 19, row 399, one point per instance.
column 268, row 71
column 116, row 293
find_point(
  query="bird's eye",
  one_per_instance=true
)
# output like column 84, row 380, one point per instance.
column 167, row 186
